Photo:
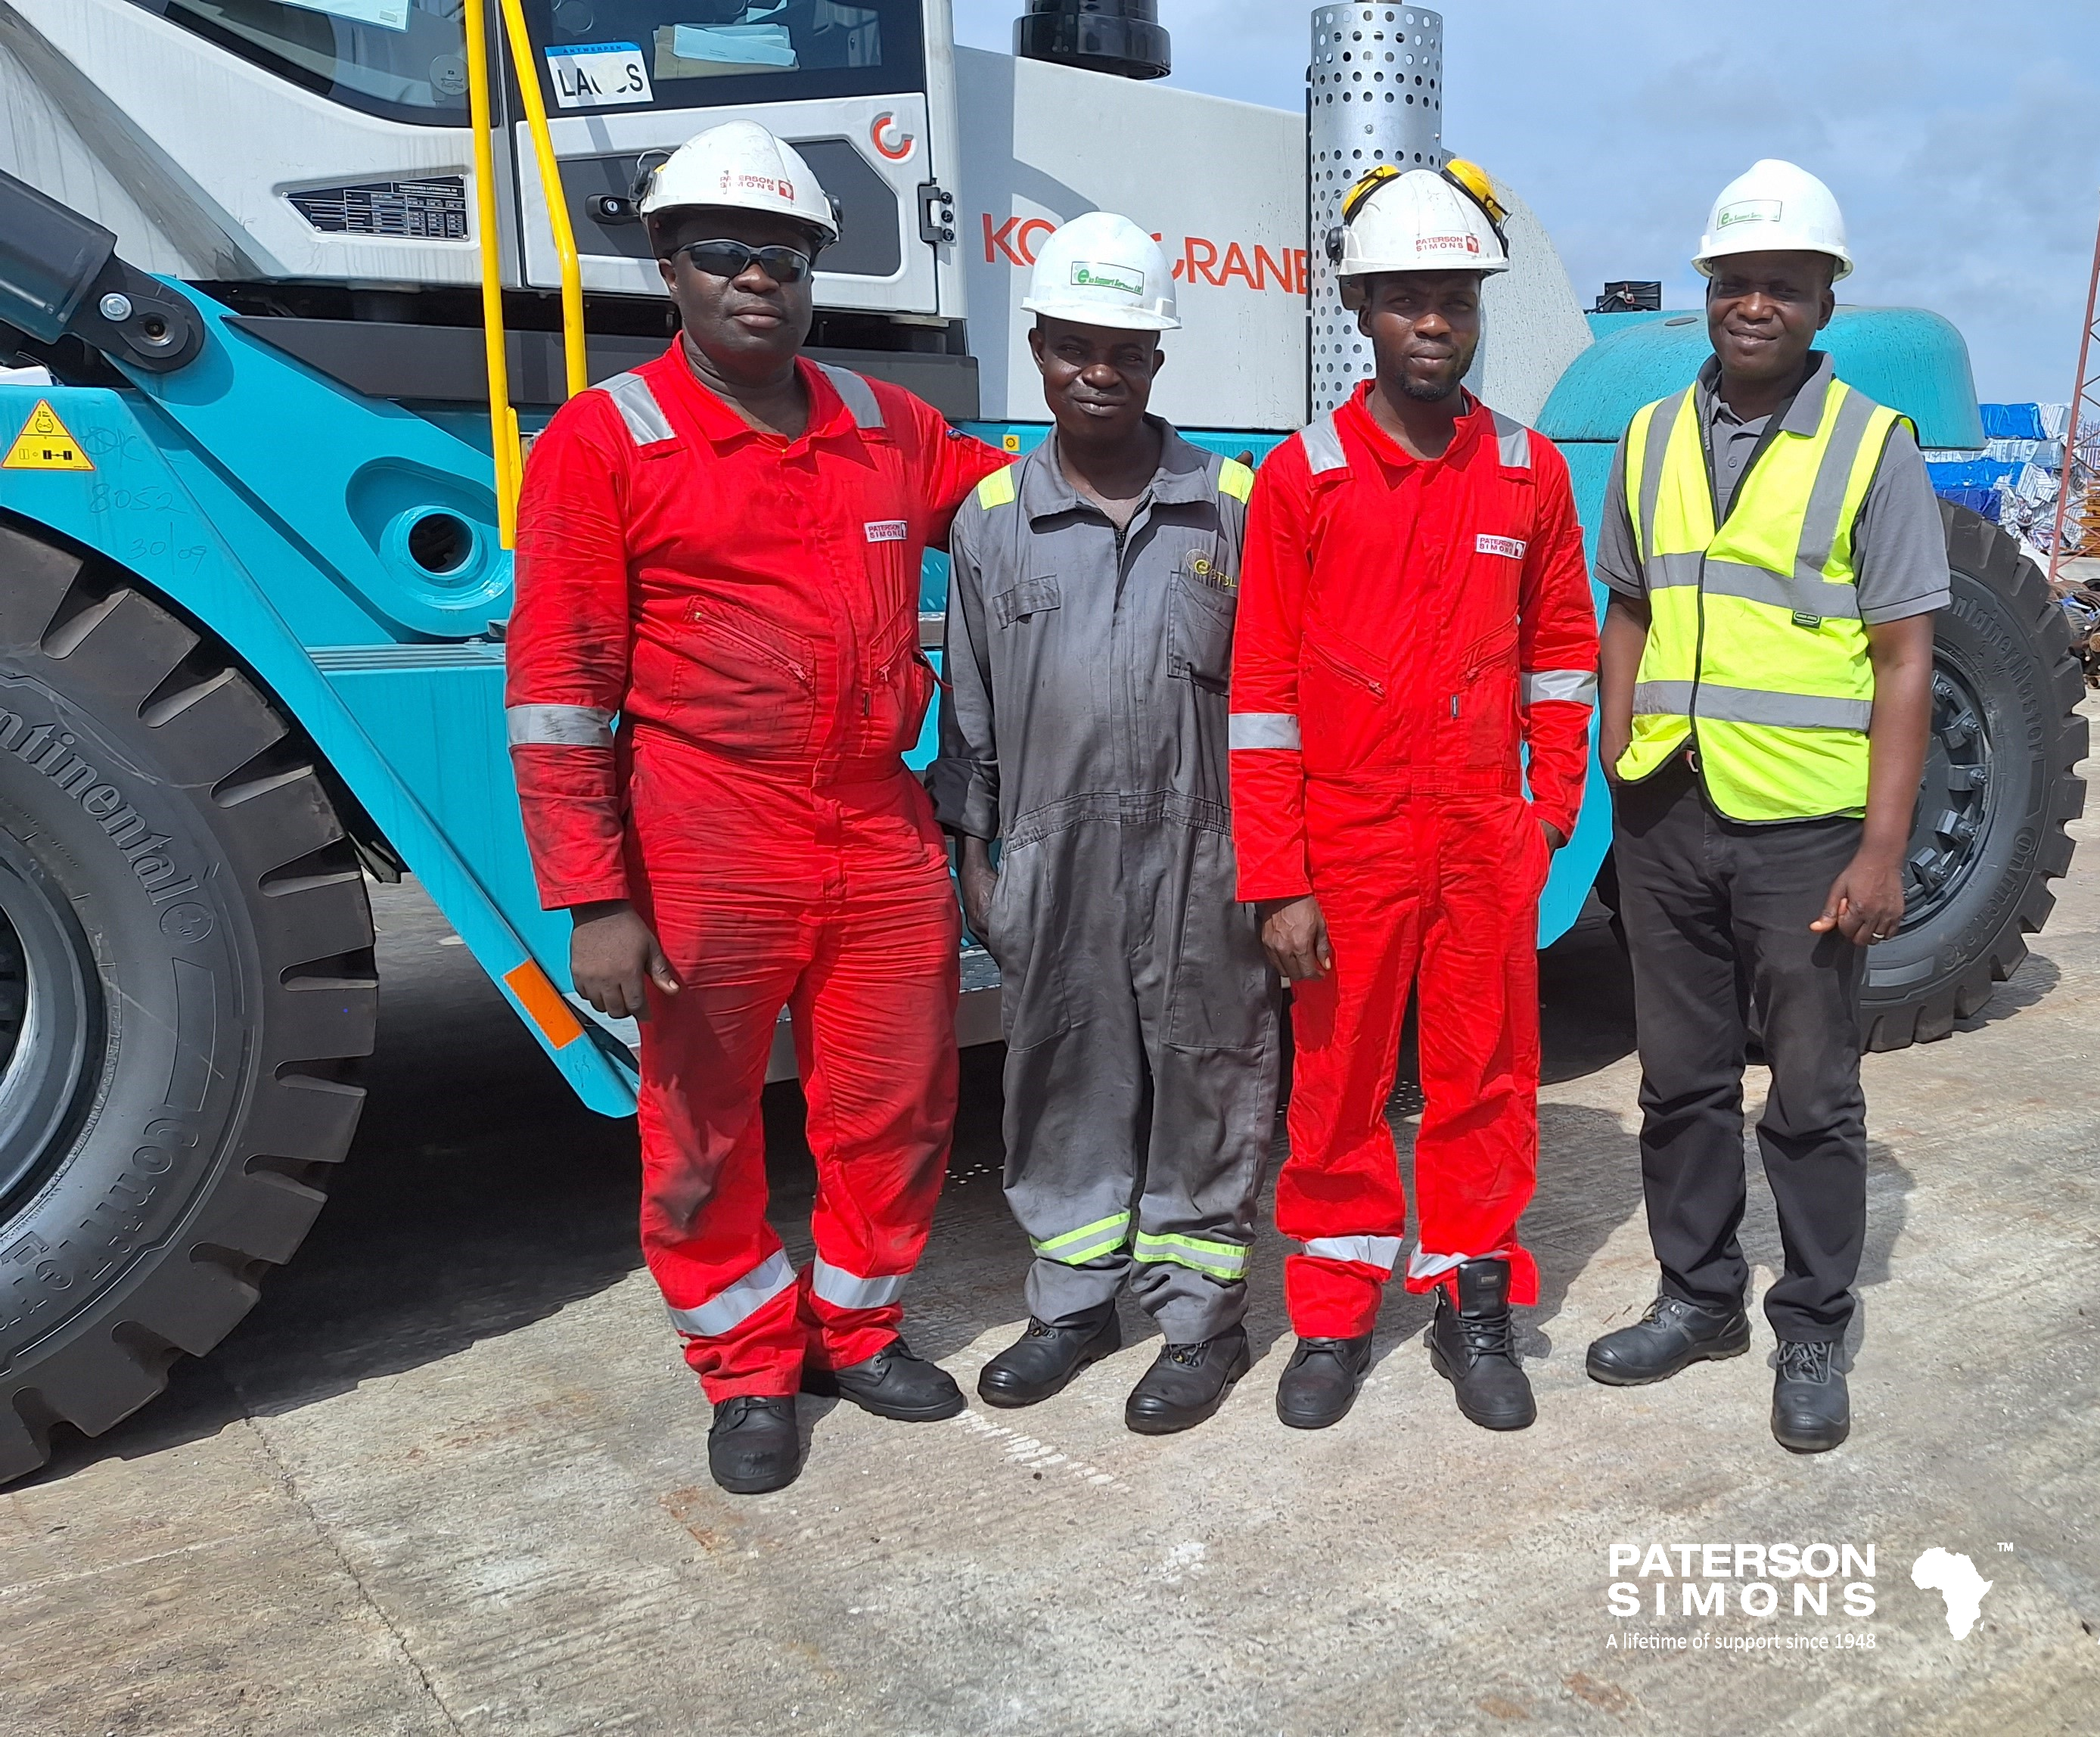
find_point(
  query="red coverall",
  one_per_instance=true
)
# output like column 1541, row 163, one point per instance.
column 749, row 607
column 1407, row 630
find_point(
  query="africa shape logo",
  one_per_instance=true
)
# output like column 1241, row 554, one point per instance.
column 1954, row 1577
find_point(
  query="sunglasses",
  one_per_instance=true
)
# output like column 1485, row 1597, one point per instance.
column 732, row 259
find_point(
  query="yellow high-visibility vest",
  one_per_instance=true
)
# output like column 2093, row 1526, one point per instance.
column 1755, row 648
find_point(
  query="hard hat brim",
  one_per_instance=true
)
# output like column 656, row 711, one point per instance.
column 1704, row 264
column 825, row 234
column 1093, row 313
column 1375, row 268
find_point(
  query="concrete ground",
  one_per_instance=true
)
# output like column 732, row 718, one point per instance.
column 450, row 1475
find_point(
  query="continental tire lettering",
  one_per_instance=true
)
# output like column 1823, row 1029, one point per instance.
column 145, row 849
column 1983, row 929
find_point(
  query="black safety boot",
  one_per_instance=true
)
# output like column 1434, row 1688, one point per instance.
column 1811, row 1411
column 1473, row 1348
column 1045, row 1358
column 1319, row 1384
column 892, row 1383
column 1187, row 1383
column 753, row 1447
column 1672, row 1334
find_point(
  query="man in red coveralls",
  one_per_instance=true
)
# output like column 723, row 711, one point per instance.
column 1414, row 616
column 722, row 550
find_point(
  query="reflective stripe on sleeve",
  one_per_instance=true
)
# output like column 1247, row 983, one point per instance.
column 1235, row 479
column 1512, row 442
column 1380, row 1252
column 558, row 726
column 1722, row 705
column 730, row 1307
column 1075, row 1248
column 1579, row 686
column 1322, row 441
column 861, row 403
column 997, row 489
column 1262, row 729
column 1217, row 1260
column 848, row 1290
column 638, row 409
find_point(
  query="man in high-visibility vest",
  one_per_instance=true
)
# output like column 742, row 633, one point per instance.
column 1775, row 555
column 1090, row 602
column 721, row 548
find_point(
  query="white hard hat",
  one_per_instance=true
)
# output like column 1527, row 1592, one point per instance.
column 1775, row 207
column 740, row 166
column 1102, row 270
column 1421, row 220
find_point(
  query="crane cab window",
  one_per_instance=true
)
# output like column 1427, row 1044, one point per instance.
column 405, row 59
column 703, row 53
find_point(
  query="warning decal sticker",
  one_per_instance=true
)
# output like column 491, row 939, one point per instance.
column 46, row 443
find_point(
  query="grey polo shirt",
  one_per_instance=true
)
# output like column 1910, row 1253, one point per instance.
column 1898, row 548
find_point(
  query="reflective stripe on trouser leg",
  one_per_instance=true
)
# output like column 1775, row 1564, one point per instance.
column 734, row 1304
column 1225, row 1261
column 849, row 1290
column 1075, row 1248
column 1424, row 1266
column 1380, row 1252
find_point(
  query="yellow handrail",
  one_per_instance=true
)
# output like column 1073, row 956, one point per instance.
column 550, row 188
column 502, row 441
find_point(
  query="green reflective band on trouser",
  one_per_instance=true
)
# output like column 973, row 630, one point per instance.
column 1216, row 1260
column 1075, row 1248
column 1754, row 637
column 997, row 489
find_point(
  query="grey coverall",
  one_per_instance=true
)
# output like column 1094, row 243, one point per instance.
column 1084, row 725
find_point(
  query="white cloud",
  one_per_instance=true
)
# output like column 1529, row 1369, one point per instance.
column 1958, row 136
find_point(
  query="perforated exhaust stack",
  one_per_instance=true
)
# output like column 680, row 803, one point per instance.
column 1375, row 95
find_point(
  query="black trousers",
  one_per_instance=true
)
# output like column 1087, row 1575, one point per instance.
column 1716, row 916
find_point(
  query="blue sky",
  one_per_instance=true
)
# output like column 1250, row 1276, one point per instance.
column 1963, row 140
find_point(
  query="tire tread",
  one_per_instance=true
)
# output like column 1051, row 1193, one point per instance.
column 247, row 769
column 1977, row 547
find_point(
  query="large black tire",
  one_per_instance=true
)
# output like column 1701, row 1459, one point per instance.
column 186, row 981
column 2000, row 787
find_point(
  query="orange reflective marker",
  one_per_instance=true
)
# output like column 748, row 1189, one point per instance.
column 538, row 996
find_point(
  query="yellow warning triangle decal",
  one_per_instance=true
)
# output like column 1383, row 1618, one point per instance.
column 46, row 443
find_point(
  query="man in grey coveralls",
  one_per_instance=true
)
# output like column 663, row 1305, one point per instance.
column 1090, row 622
